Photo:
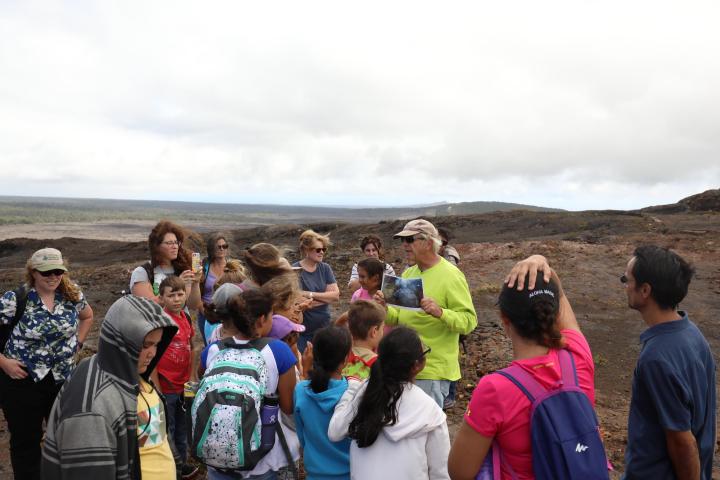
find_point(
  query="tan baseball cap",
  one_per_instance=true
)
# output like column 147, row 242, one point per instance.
column 47, row 259
column 413, row 227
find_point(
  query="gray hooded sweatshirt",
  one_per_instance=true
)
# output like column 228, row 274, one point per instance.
column 92, row 430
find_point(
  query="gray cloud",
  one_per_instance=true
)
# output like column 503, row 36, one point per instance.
column 610, row 105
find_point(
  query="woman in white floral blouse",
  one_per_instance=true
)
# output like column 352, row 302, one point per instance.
column 39, row 354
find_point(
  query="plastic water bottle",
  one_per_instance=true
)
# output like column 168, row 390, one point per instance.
column 269, row 413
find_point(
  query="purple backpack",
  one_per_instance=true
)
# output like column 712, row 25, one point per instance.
column 564, row 429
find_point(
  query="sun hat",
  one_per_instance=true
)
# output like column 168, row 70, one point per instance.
column 47, row 259
column 281, row 326
column 413, row 227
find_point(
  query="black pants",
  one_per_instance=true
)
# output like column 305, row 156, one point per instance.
column 26, row 404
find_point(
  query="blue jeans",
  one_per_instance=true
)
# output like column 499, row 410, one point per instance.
column 437, row 389
column 177, row 425
column 215, row 475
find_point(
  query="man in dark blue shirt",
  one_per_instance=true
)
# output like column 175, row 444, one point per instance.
column 671, row 427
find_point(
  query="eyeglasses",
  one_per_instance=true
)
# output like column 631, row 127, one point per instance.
column 623, row 279
column 223, row 247
column 426, row 350
column 321, row 250
column 172, row 243
column 56, row 273
column 407, row 239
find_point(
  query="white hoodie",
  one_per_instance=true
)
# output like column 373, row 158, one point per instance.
column 416, row 447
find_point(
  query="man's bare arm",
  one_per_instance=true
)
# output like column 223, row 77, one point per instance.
column 684, row 455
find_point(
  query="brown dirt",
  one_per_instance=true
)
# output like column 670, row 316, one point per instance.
column 588, row 249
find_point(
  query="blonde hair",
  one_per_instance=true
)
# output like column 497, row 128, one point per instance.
column 230, row 276
column 308, row 237
column 67, row 288
column 235, row 266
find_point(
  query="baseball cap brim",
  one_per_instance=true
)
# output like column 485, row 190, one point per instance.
column 406, row 233
column 47, row 268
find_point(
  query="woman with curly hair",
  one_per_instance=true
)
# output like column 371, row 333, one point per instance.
column 167, row 257
column 47, row 321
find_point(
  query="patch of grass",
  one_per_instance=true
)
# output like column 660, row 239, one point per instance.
column 600, row 359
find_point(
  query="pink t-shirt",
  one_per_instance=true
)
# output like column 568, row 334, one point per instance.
column 360, row 294
column 498, row 409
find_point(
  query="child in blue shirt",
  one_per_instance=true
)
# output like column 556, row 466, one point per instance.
column 315, row 401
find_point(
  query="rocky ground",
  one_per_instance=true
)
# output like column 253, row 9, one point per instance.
column 588, row 249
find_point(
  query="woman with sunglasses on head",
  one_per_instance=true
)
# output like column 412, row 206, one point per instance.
column 318, row 283
column 397, row 430
column 40, row 350
column 213, row 267
column 167, row 257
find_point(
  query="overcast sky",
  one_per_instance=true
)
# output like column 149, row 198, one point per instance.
column 573, row 105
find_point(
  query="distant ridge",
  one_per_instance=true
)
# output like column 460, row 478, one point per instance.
column 24, row 210
column 707, row 201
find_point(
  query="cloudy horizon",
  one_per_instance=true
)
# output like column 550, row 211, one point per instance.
column 572, row 105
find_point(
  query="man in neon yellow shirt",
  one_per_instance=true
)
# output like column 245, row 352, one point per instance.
column 447, row 308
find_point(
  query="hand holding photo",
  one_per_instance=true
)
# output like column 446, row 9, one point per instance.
column 402, row 292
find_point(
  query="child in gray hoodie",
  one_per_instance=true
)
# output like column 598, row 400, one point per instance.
column 93, row 426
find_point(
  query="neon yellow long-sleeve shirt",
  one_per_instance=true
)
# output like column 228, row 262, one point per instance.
column 446, row 284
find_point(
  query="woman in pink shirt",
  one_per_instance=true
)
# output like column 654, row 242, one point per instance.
column 539, row 322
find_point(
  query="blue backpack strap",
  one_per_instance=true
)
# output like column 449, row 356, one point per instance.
column 524, row 381
column 568, row 372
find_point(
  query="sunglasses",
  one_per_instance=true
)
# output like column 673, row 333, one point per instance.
column 321, row 250
column 623, row 279
column 426, row 350
column 407, row 239
column 56, row 273
column 172, row 243
column 223, row 247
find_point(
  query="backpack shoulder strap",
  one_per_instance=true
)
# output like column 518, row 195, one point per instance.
column 524, row 381
column 260, row 343
column 257, row 344
column 21, row 294
column 568, row 371
column 286, row 450
column 150, row 271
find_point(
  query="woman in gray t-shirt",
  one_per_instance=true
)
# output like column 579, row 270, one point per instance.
column 168, row 257
column 318, row 283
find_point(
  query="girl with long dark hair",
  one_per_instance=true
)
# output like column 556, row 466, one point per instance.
column 397, row 430
column 314, row 403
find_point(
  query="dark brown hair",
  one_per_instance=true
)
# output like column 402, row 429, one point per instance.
column 173, row 282
column 163, row 227
column 375, row 240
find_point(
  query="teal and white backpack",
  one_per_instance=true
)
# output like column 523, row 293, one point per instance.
column 226, row 410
